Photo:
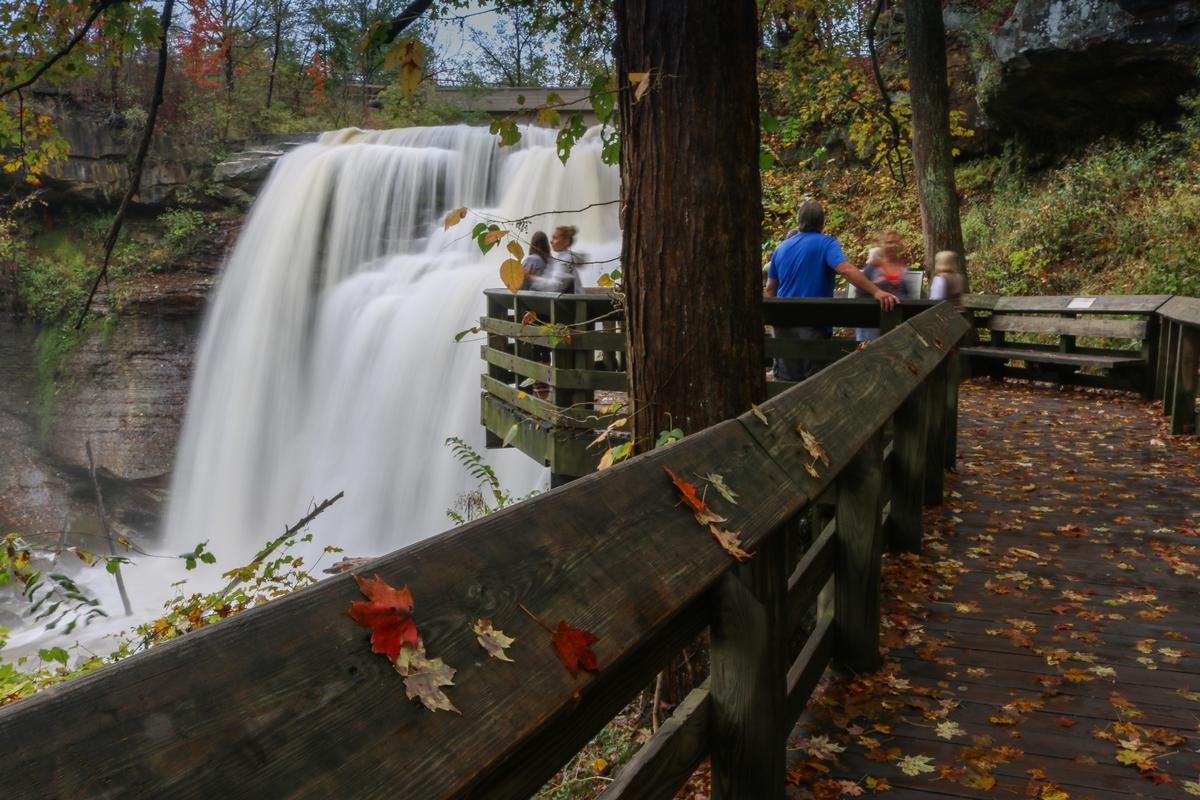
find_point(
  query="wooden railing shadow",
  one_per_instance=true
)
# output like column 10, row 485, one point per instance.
column 286, row 700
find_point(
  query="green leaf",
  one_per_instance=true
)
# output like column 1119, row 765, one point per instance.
column 54, row 654
column 767, row 123
column 458, row 337
column 766, row 160
column 604, row 95
column 512, row 434
column 571, row 133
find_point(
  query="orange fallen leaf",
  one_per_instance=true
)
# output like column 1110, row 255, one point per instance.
column 573, row 647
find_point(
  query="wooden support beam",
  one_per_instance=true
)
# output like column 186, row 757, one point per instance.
column 664, row 763
column 953, row 368
column 748, row 658
column 908, row 472
column 1171, row 373
column 1183, row 406
column 936, row 431
column 859, row 547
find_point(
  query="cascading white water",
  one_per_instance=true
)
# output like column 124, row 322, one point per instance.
column 327, row 361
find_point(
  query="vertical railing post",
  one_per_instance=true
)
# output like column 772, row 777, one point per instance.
column 953, row 368
column 1183, row 404
column 1160, row 355
column 748, row 677
column 1149, row 354
column 1171, row 363
column 908, row 471
column 935, row 451
column 856, row 564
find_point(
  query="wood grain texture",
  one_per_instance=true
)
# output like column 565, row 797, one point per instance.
column 671, row 755
column 859, row 538
column 935, row 441
column 1048, row 357
column 1114, row 328
column 1182, row 309
column 564, row 378
column 1183, row 404
column 747, row 670
column 808, row 668
column 908, row 473
column 1102, row 304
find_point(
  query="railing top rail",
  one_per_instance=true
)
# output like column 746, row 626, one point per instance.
column 1078, row 304
column 1182, row 309
column 287, row 699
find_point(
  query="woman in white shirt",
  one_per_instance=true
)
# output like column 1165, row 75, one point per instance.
column 536, row 262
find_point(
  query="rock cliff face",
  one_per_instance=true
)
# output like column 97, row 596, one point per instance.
column 1068, row 71
column 122, row 386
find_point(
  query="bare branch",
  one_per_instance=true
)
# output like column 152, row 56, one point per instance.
column 135, row 177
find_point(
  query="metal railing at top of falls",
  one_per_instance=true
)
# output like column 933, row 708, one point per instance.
column 287, row 699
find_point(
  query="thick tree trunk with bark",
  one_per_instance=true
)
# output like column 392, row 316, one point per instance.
column 933, row 161
column 691, row 212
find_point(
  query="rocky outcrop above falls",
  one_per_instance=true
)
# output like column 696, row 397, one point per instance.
column 101, row 146
column 1068, row 71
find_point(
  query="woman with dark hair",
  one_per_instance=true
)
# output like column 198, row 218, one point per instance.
column 535, row 263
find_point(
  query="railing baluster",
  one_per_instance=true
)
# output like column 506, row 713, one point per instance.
column 936, row 432
column 908, row 472
column 1183, row 404
column 748, row 677
column 859, row 547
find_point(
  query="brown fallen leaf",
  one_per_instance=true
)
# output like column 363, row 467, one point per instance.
column 731, row 541
column 758, row 412
column 812, row 445
column 424, row 677
column 494, row 641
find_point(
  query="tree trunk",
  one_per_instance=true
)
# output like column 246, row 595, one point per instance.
column 933, row 162
column 692, row 212
column 276, row 43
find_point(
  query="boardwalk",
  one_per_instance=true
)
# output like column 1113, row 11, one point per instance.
column 1047, row 645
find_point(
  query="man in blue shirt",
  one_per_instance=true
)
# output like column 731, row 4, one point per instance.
column 805, row 266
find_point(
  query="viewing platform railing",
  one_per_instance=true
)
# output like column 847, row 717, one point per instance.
column 554, row 361
column 287, row 699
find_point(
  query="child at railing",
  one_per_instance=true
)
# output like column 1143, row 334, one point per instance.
column 948, row 281
column 886, row 271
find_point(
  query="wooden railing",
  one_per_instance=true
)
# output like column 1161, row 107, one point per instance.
column 286, row 700
column 525, row 361
column 1178, row 361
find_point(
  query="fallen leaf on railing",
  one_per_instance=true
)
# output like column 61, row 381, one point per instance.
column 424, row 677
column 571, row 645
column 718, row 482
column 758, row 412
column 812, row 445
column 687, row 493
column 573, row 648
column 388, row 613
column 492, row 640
column 731, row 541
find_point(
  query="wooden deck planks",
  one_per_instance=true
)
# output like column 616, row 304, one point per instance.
column 1054, row 613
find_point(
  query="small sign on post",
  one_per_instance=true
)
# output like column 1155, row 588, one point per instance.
column 1081, row 302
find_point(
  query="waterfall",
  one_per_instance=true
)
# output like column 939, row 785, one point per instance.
column 327, row 361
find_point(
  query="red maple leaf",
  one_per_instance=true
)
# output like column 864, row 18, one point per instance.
column 387, row 611
column 572, row 647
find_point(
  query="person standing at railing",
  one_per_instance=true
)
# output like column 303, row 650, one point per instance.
column 948, row 281
column 805, row 266
column 564, row 261
column 535, row 263
column 887, row 272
